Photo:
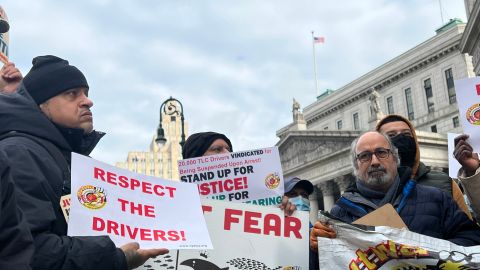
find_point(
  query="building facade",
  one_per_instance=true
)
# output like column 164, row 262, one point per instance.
column 417, row 84
column 159, row 161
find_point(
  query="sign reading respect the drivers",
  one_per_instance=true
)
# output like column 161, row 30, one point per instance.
column 253, row 176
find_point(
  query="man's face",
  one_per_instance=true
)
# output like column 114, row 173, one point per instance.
column 219, row 146
column 70, row 109
column 392, row 129
column 297, row 191
column 380, row 171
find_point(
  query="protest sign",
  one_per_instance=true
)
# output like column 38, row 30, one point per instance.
column 4, row 36
column 130, row 207
column 250, row 176
column 468, row 99
column 245, row 237
column 391, row 248
column 453, row 165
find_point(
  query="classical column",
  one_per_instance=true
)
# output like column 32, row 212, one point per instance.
column 313, row 205
column 327, row 189
column 343, row 182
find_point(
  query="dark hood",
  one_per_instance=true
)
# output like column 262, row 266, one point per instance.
column 18, row 112
column 412, row 129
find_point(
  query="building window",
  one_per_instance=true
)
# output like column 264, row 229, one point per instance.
column 427, row 85
column 450, row 86
column 339, row 124
column 433, row 128
column 356, row 122
column 390, row 105
column 456, row 122
column 408, row 98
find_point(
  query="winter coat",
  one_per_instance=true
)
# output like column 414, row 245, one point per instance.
column 41, row 179
column 16, row 243
column 426, row 210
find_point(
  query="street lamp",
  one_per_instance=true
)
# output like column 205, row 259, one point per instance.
column 170, row 108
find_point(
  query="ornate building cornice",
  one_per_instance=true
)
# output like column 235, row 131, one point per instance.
column 425, row 58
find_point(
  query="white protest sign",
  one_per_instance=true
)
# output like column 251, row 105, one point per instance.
column 253, row 176
column 390, row 248
column 453, row 165
column 468, row 99
column 131, row 207
column 245, row 237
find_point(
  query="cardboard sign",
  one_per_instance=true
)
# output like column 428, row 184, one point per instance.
column 131, row 207
column 254, row 176
column 391, row 248
column 468, row 99
column 65, row 202
column 245, row 237
column 383, row 216
column 4, row 37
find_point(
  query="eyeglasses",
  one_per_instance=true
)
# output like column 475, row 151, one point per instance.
column 380, row 153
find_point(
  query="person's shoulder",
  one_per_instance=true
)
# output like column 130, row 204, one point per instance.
column 430, row 193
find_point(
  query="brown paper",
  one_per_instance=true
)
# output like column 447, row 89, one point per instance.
column 383, row 216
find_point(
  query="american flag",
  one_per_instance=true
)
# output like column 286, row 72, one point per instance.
column 318, row 39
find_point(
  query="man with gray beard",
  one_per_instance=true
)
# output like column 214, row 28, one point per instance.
column 425, row 210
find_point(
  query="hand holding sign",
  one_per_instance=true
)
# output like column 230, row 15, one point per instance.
column 10, row 78
column 136, row 256
column 464, row 154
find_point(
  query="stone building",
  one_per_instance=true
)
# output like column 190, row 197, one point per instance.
column 159, row 161
column 417, row 84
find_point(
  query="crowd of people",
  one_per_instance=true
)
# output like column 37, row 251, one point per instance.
column 46, row 116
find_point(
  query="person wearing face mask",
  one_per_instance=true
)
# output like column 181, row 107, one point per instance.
column 403, row 136
column 297, row 191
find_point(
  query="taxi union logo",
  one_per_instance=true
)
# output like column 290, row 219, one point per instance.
column 473, row 114
column 272, row 181
column 92, row 197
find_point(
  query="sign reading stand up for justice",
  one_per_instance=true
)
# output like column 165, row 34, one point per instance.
column 253, row 176
column 130, row 207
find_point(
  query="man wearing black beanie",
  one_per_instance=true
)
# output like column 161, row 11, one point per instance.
column 46, row 120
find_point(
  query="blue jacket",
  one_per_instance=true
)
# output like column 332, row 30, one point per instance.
column 426, row 210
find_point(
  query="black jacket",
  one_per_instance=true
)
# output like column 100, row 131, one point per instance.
column 16, row 243
column 427, row 211
column 40, row 182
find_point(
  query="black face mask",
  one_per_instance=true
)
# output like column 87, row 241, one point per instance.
column 407, row 149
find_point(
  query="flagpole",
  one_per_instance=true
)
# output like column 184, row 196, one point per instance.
column 315, row 65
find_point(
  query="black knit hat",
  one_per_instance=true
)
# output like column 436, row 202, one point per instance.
column 50, row 76
column 197, row 144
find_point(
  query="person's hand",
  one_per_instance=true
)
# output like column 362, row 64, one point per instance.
column 10, row 78
column 463, row 152
column 287, row 206
column 320, row 230
column 136, row 256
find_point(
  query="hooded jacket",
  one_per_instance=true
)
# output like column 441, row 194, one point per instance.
column 426, row 210
column 424, row 175
column 40, row 182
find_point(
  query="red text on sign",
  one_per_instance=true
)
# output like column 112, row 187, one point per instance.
column 135, row 233
column 137, row 208
column 272, row 223
column 220, row 186
column 133, row 184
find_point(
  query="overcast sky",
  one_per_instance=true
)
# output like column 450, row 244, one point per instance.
column 235, row 65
